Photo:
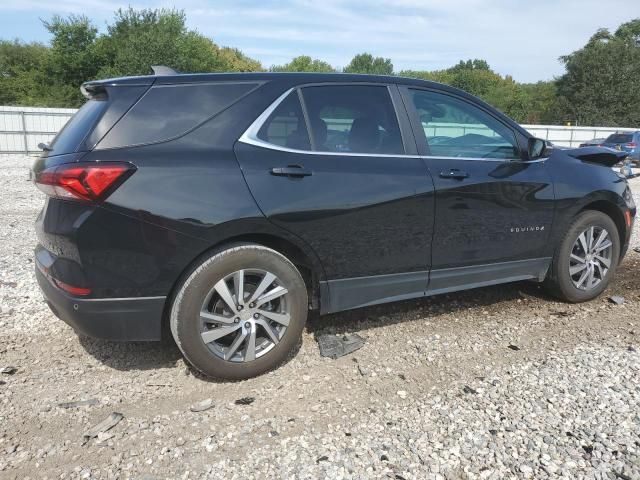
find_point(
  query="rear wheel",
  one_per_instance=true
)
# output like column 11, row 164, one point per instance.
column 240, row 313
column 586, row 258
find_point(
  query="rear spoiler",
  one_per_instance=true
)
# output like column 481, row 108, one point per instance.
column 601, row 155
column 96, row 89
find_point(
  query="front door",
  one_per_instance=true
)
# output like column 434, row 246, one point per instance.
column 329, row 164
column 493, row 209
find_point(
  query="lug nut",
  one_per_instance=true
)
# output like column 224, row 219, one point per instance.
column 240, row 307
column 247, row 325
column 236, row 320
column 256, row 316
column 252, row 305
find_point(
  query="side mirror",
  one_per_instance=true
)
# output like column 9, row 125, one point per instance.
column 539, row 148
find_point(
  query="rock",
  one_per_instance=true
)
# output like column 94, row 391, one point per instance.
column 402, row 394
column 202, row 406
column 79, row 403
column 245, row 401
column 107, row 424
column 617, row 300
column 8, row 370
column 513, row 347
column 468, row 389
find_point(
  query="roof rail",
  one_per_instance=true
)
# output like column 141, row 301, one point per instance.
column 163, row 70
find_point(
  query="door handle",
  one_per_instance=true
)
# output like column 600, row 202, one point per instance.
column 454, row 173
column 291, row 171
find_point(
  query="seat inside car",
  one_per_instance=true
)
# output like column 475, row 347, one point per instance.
column 364, row 135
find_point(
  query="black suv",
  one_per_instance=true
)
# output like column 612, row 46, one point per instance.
column 227, row 205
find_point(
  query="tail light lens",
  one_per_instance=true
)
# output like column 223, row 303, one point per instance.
column 631, row 145
column 89, row 182
column 78, row 291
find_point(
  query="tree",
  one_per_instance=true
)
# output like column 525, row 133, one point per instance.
column 304, row 63
column 233, row 60
column 475, row 64
column 524, row 103
column 71, row 60
column 601, row 85
column 366, row 63
column 22, row 72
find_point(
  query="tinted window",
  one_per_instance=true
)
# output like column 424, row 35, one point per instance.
column 168, row 111
column 286, row 126
column 619, row 138
column 455, row 128
column 76, row 129
column 353, row 118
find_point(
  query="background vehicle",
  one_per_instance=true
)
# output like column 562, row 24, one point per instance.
column 228, row 205
column 628, row 142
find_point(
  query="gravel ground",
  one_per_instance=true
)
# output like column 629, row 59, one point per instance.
column 499, row 382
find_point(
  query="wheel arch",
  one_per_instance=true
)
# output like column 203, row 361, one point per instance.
column 303, row 258
column 612, row 211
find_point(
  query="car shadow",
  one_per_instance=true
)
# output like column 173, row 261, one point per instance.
column 352, row 321
column 133, row 355
column 125, row 356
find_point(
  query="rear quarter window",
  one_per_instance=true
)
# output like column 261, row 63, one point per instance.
column 74, row 132
column 169, row 111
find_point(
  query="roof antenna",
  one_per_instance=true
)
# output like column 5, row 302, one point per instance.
column 163, row 70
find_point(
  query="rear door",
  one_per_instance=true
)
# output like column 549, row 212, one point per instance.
column 336, row 164
column 493, row 209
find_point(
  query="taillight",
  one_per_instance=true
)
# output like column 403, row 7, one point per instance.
column 83, row 181
column 631, row 145
column 79, row 291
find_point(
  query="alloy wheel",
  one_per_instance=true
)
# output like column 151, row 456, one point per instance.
column 244, row 315
column 591, row 258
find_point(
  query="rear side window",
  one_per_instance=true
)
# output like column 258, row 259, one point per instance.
column 619, row 138
column 353, row 118
column 286, row 127
column 169, row 111
column 74, row 132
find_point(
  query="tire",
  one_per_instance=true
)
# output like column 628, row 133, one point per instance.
column 560, row 282
column 202, row 297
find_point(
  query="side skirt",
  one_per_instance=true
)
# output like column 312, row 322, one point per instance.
column 350, row 293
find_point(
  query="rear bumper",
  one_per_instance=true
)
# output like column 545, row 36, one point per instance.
column 119, row 319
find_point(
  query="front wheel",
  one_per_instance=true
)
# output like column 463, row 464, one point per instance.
column 240, row 312
column 586, row 259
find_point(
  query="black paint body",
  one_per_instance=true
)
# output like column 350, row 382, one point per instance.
column 363, row 229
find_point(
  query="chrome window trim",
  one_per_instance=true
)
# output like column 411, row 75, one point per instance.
column 250, row 137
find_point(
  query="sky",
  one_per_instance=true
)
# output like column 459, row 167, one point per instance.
column 521, row 38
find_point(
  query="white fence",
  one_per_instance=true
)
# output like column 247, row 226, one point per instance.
column 572, row 136
column 22, row 128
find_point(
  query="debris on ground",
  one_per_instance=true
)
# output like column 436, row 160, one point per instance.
column 616, row 299
column 513, row 347
column 333, row 346
column 104, row 426
column 245, row 401
column 202, row 406
column 79, row 403
column 468, row 389
column 8, row 370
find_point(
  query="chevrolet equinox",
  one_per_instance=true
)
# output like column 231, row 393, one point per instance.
column 226, row 206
